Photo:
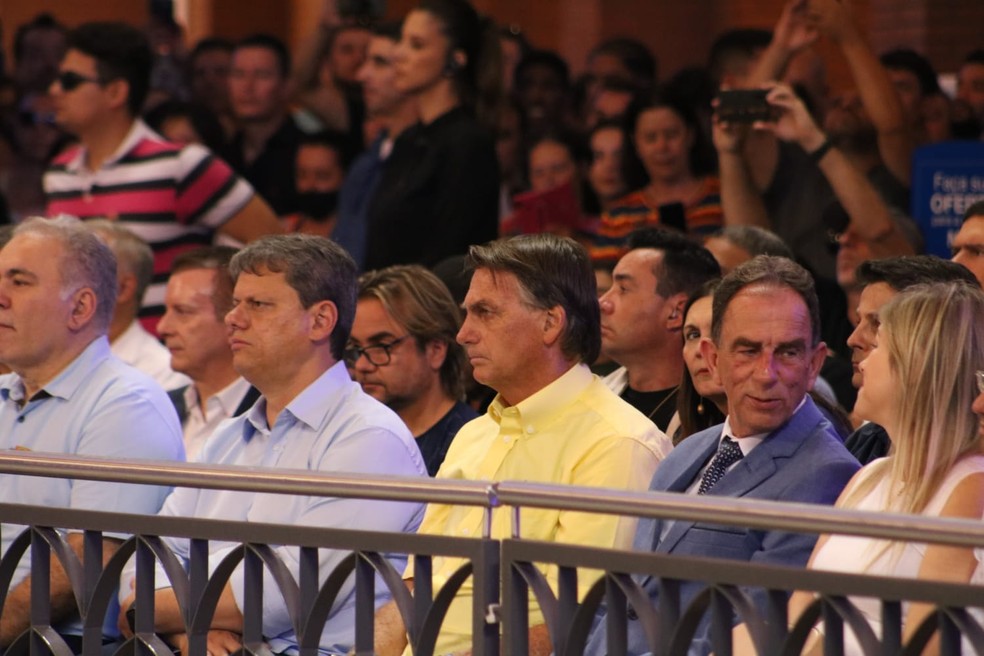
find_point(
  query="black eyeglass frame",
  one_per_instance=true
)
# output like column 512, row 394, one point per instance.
column 352, row 354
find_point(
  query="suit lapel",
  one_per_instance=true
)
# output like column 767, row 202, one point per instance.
column 750, row 472
column 765, row 459
column 702, row 452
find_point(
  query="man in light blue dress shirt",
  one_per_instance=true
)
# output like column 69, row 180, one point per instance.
column 68, row 394
column 293, row 307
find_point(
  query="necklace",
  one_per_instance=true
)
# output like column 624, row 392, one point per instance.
column 659, row 405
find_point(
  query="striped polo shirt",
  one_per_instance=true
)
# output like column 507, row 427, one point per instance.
column 172, row 196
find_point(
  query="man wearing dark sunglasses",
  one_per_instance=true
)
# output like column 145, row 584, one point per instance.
column 173, row 197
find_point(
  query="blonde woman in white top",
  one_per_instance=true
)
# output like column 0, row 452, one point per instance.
column 921, row 384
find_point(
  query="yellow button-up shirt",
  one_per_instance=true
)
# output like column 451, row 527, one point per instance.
column 574, row 431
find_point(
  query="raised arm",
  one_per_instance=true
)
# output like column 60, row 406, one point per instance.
column 869, row 214
column 836, row 20
column 793, row 32
column 740, row 199
column 312, row 49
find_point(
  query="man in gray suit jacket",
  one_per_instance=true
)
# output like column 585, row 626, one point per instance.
column 775, row 444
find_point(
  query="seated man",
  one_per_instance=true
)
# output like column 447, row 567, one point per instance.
column 880, row 281
column 403, row 353
column 774, row 444
column 292, row 309
column 198, row 296
column 968, row 243
column 642, row 319
column 127, row 338
column 68, row 394
column 531, row 328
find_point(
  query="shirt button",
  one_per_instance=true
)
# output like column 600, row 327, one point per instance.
column 20, row 420
column 530, row 430
column 507, row 439
column 465, row 531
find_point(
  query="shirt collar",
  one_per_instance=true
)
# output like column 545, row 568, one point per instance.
column 746, row 444
column 541, row 407
column 69, row 379
column 138, row 131
column 312, row 406
column 228, row 398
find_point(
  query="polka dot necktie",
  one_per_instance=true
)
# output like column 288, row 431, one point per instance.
column 727, row 454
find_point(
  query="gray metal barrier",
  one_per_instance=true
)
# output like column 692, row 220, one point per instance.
column 509, row 567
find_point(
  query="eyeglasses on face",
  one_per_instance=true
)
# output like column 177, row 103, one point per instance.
column 70, row 80
column 378, row 355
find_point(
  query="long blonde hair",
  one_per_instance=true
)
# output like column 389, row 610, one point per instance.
column 935, row 340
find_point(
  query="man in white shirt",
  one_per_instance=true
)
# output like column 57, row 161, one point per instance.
column 127, row 338
column 198, row 296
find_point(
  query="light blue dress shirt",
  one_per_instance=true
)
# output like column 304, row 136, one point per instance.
column 332, row 426
column 96, row 406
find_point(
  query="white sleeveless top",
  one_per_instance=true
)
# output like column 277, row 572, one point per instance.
column 854, row 554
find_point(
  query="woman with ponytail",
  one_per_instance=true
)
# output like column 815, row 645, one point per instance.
column 439, row 190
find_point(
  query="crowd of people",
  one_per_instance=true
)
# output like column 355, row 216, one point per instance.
column 421, row 248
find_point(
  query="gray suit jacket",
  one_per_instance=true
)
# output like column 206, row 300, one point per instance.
column 803, row 461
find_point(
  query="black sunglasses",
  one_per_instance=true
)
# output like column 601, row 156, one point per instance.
column 70, row 80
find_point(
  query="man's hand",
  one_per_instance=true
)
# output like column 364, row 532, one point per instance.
column 728, row 137
column 795, row 29
column 218, row 643
column 834, row 19
column 794, row 122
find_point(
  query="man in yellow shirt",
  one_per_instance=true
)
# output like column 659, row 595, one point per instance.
column 531, row 326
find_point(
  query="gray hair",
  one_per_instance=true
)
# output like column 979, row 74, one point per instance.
column 755, row 240
column 86, row 261
column 770, row 271
column 133, row 254
column 316, row 268
column 551, row 271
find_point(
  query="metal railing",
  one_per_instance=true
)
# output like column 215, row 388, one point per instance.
column 510, row 567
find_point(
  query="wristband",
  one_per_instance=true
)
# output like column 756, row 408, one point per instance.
column 818, row 154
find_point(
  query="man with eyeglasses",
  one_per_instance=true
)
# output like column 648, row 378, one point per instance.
column 173, row 197
column 403, row 352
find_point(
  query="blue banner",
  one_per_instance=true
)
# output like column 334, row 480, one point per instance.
column 947, row 178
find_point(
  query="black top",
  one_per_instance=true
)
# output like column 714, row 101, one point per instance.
column 272, row 172
column 439, row 193
column 659, row 406
column 434, row 442
column 868, row 443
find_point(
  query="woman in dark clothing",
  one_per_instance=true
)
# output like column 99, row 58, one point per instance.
column 439, row 190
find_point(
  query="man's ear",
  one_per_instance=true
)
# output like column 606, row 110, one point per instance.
column 127, row 288
column 323, row 318
column 709, row 351
column 84, row 305
column 118, row 91
column 554, row 322
column 674, row 321
column 817, row 359
column 436, row 352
